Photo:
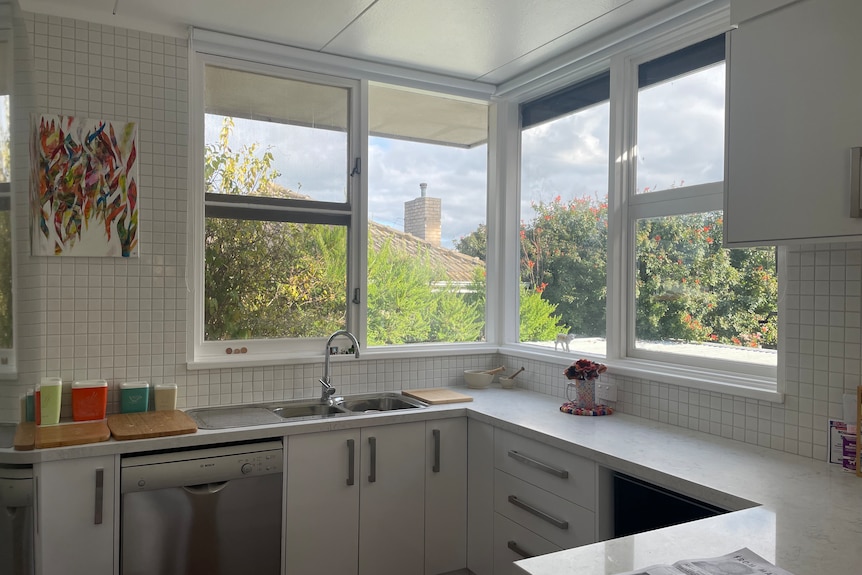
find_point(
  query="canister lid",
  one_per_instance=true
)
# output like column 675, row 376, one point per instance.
column 89, row 383
column 166, row 386
column 49, row 381
column 134, row 385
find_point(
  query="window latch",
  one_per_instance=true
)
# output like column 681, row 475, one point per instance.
column 357, row 167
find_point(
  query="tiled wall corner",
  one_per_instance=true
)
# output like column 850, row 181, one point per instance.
column 820, row 304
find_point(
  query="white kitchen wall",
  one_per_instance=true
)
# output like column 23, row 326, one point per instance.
column 124, row 320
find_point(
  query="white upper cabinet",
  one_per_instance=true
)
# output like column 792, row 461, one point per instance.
column 794, row 113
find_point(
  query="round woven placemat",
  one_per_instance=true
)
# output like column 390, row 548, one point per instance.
column 571, row 407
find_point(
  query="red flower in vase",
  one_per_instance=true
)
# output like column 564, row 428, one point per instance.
column 584, row 369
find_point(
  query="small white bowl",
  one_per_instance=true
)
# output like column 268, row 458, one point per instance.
column 507, row 382
column 477, row 379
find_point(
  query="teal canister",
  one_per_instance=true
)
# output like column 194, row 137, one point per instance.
column 134, row 396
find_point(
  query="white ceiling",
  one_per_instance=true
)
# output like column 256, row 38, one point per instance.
column 487, row 40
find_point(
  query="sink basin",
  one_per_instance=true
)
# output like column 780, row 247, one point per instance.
column 306, row 410
column 270, row 413
column 379, row 402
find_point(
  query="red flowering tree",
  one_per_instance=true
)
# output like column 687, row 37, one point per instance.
column 564, row 257
column 687, row 287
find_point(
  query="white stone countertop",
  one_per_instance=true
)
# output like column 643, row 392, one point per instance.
column 803, row 515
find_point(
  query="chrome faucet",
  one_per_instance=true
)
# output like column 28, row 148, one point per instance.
column 328, row 389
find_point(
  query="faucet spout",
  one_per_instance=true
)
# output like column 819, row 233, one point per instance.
column 326, row 382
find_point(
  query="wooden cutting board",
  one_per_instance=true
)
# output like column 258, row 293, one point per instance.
column 29, row 435
column 25, row 436
column 437, row 395
column 150, row 424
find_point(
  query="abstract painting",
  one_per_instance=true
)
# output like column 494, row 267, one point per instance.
column 83, row 187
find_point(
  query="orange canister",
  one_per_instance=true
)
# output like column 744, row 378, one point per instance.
column 89, row 399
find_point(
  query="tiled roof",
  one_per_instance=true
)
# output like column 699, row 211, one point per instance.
column 459, row 267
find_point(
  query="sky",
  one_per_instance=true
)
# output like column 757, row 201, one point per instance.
column 680, row 142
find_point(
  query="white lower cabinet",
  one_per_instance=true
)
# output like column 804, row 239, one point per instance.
column 445, row 495
column 75, row 504
column 369, row 501
column 392, row 500
column 544, row 500
column 322, row 518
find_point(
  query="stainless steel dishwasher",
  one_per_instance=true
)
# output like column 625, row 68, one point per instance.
column 212, row 511
column 16, row 520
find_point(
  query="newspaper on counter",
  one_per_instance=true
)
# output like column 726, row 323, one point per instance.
column 742, row 562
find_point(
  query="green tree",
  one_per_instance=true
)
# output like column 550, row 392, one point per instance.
column 267, row 279
column 564, row 258
column 687, row 287
column 272, row 279
column 408, row 302
column 475, row 243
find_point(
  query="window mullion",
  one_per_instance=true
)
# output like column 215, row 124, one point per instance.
column 357, row 257
column 622, row 137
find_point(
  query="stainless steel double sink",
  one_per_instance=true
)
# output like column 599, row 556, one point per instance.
column 298, row 410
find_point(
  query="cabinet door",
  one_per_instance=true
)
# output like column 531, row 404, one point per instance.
column 322, row 520
column 480, row 505
column 793, row 115
column 445, row 495
column 75, row 502
column 392, row 500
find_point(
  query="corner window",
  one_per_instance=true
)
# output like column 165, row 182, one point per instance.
column 679, row 298
column 695, row 302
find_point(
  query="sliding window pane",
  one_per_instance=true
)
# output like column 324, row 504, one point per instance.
column 681, row 131
column 698, row 299
column 267, row 279
column 564, row 233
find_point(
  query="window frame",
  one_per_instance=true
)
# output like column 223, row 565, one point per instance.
column 264, row 351
column 212, row 48
column 626, row 207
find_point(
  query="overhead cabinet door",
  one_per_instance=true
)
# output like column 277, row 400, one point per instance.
column 794, row 113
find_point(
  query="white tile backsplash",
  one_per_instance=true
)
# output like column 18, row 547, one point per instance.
column 124, row 320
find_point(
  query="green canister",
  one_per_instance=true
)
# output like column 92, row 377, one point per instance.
column 134, row 396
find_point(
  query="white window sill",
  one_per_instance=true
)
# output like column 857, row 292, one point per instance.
column 369, row 354
column 738, row 385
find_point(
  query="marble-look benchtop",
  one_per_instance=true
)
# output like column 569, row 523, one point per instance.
column 803, row 515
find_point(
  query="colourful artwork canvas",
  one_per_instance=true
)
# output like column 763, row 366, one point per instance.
column 83, row 187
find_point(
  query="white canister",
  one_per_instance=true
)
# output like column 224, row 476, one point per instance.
column 166, row 396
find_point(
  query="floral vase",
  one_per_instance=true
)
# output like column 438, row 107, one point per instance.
column 584, row 391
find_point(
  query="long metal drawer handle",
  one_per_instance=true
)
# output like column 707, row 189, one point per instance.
column 517, row 549
column 372, row 475
column 100, row 491
column 351, row 461
column 562, row 473
column 436, row 433
column 558, row 523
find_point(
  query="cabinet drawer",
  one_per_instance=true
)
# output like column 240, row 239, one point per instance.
column 559, row 521
column 562, row 473
column 513, row 543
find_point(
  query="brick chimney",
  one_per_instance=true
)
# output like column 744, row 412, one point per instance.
column 422, row 217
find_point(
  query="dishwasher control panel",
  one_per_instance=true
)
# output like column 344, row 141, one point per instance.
column 200, row 467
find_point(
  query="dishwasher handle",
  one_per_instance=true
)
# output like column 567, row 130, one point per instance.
column 206, row 488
